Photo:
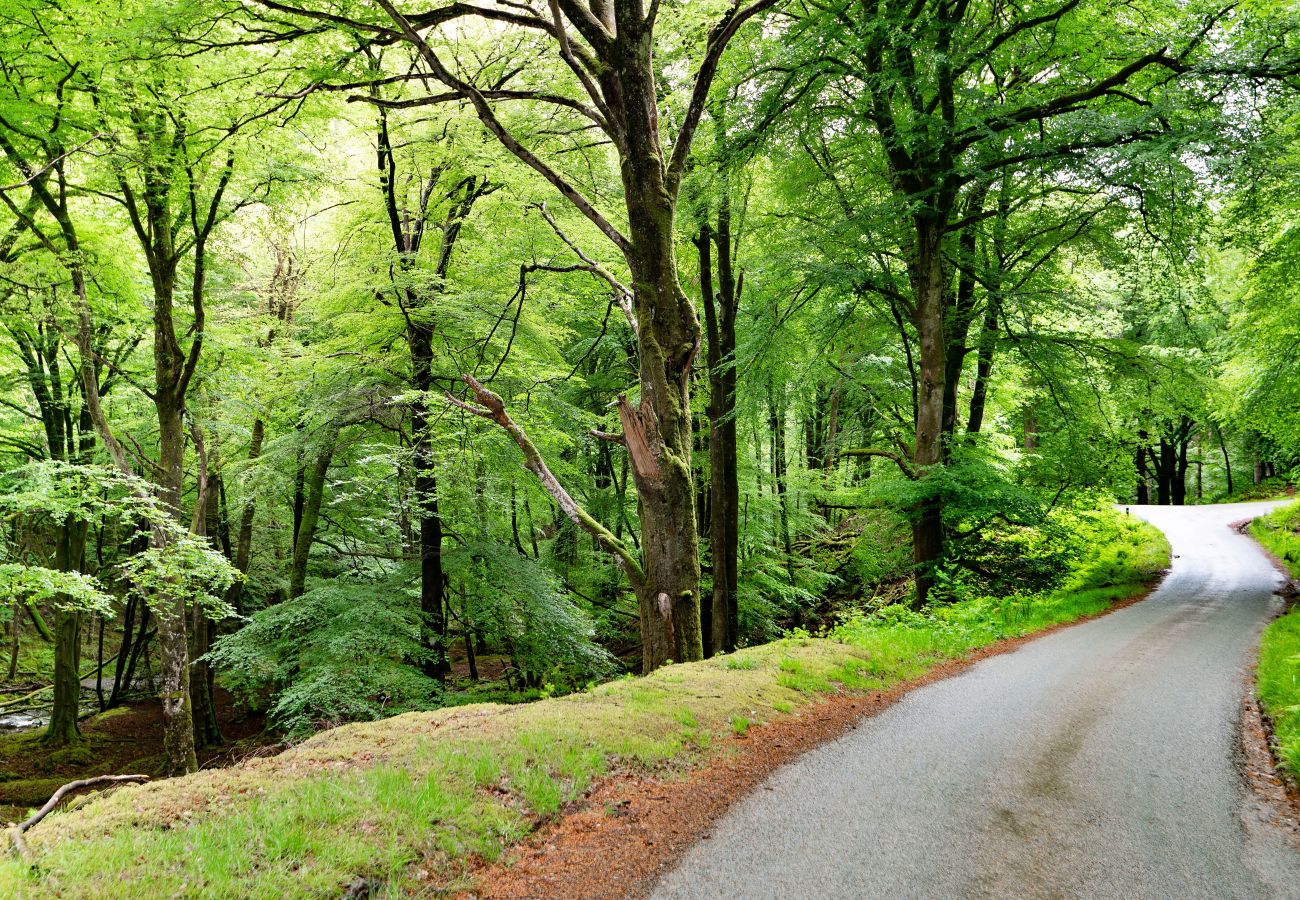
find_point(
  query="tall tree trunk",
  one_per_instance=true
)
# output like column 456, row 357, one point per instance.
column 170, row 611
column 1165, row 473
column 14, row 632
column 207, row 732
column 984, row 365
column 1183, row 437
column 1227, row 462
column 432, row 580
column 724, row 489
column 927, row 279
column 243, row 549
column 63, row 729
column 961, row 316
column 658, row 429
column 1143, row 478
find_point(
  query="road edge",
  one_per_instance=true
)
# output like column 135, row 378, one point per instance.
column 633, row 829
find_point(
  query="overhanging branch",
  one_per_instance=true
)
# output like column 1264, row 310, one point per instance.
column 493, row 409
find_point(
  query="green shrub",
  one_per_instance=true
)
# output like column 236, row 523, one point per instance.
column 342, row 652
column 1279, row 532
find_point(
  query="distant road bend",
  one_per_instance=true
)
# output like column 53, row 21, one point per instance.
column 1101, row 761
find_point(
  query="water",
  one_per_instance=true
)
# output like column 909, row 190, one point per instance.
column 24, row 721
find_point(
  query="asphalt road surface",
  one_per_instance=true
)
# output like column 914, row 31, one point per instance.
column 1099, row 761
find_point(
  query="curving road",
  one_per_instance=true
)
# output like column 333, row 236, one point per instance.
column 1099, row 761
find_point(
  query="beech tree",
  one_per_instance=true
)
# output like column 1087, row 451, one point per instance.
column 957, row 95
column 612, row 80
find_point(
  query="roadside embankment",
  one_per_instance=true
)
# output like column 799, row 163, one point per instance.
column 423, row 801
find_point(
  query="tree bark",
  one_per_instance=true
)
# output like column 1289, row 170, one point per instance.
column 724, row 488
column 314, row 492
column 1165, row 473
column 1140, row 462
column 243, row 548
column 927, row 276
column 1227, row 462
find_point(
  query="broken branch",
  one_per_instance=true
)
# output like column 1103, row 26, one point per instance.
column 883, row 454
column 16, row 832
column 493, row 407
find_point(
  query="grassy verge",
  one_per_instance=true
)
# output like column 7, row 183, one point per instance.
column 1278, row 676
column 404, row 802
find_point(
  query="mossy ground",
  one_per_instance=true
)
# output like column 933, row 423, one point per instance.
column 404, row 803
column 1278, row 675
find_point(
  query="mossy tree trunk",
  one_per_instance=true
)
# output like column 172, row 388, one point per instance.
column 63, row 729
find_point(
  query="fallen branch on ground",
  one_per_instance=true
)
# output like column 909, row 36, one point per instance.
column 16, row 832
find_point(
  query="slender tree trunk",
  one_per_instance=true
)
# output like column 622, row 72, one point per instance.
column 1227, row 462
column 984, row 365
column 1143, row 478
column 724, row 490
column 170, row 611
column 962, row 315
column 1165, row 473
column 244, row 537
column 15, row 631
column 1179, row 486
column 313, row 493
column 432, row 580
column 138, row 648
column 776, row 425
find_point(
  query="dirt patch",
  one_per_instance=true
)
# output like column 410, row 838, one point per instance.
column 632, row 828
column 1275, row 795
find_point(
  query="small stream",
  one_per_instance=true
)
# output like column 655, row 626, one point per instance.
column 30, row 720
column 39, row 717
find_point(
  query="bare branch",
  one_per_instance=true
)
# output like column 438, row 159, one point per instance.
column 719, row 36
column 622, row 294
column 493, row 408
column 489, row 119
column 902, row 463
column 16, row 833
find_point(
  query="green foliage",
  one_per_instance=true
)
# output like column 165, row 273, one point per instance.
column 407, row 800
column 1279, row 532
column 185, row 567
column 519, row 605
column 342, row 652
column 1111, row 557
column 61, row 492
column 1277, row 678
column 67, row 590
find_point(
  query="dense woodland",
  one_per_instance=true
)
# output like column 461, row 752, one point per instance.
column 359, row 357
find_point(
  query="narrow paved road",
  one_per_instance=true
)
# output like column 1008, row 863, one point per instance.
column 1100, row 761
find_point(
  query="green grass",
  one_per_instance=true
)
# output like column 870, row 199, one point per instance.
column 1278, row 676
column 1279, row 532
column 406, row 801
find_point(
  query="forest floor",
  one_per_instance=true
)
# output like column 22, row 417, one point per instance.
column 126, row 740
